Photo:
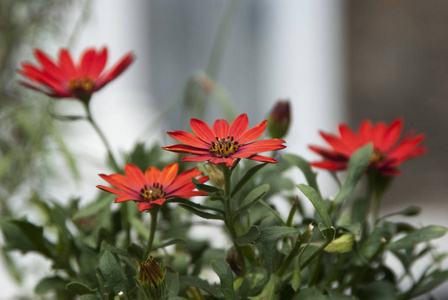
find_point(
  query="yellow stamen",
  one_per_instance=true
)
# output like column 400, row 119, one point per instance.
column 81, row 87
column 152, row 193
column 377, row 156
column 224, row 147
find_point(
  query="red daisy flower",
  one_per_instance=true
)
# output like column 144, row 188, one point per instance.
column 224, row 143
column 65, row 79
column 153, row 187
column 388, row 153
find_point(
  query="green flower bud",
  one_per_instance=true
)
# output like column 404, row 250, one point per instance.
column 152, row 279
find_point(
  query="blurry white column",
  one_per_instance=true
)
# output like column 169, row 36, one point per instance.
column 302, row 57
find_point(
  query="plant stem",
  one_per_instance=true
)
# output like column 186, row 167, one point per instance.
column 102, row 137
column 229, row 221
column 152, row 230
column 289, row 258
column 115, row 166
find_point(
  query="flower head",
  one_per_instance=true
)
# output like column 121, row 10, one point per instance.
column 279, row 119
column 223, row 144
column 64, row 78
column 389, row 151
column 153, row 187
column 152, row 279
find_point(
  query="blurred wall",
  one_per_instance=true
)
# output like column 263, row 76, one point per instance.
column 398, row 66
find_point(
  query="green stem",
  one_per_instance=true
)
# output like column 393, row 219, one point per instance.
column 229, row 221
column 115, row 166
column 289, row 258
column 102, row 137
column 152, row 230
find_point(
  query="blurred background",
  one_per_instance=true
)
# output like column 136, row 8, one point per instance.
column 338, row 61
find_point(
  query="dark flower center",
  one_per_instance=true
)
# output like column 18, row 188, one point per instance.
column 81, row 87
column 377, row 156
column 152, row 193
column 224, row 147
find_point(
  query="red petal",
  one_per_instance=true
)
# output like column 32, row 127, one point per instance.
column 181, row 148
column 98, row 63
column 135, row 174
column 168, row 174
column 379, row 133
column 405, row 148
column 365, row 132
column 392, row 134
column 115, row 191
column 263, row 159
column 253, row 133
column 152, row 175
column 86, row 63
column 197, row 158
column 121, row 182
column 239, row 126
column 66, row 64
column 330, row 165
column 259, row 146
column 337, row 144
column 328, row 154
column 119, row 68
column 221, row 128
column 349, row 137
column 49, row 66
column 202, row 130
column 189, row 139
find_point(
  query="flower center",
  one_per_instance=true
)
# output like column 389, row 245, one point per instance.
column 152, row 193
column 377, row 156
column 81, row 87
column 224, row 147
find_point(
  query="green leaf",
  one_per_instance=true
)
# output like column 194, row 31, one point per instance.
column 193, row 204
column 342, row 244
column 172, row 285
column 168, row 243
column 268, row 292
column 383, row 290
column 253, row 196
column 50, row 284
column 201, row 213
column 249, row 174
column 222, row 269
column 305, row 167
column 358, row 163
column 275, row 232
column 311, row 293
column 318, row 203
column 25, row 236
column 111, row 271
column 249, row 237
column 430, row 282
column 374, row 243
column 79, row 288
column 424, row 234
column 136, row 251
column 93, row 208
column 89, row 297
column 201, row 284
column 253, row 282
column 209, row 189
column 335, row 295
column 297, row 277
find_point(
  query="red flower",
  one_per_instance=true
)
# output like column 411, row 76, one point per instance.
column 65, row 79
column 388, row 151
column 224, row 143
column 153, row 187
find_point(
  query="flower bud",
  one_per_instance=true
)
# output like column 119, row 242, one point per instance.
column 151, row 279
column 279, row 119
column 215, row 175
